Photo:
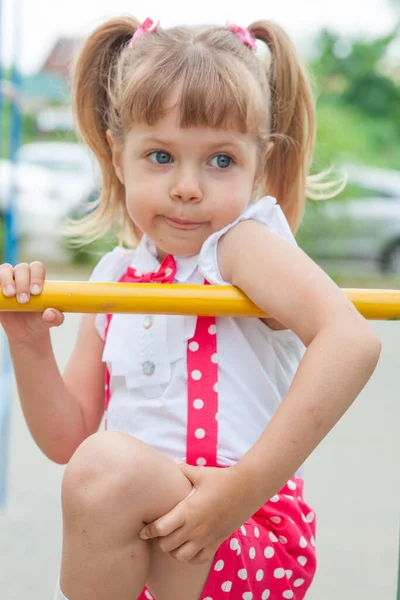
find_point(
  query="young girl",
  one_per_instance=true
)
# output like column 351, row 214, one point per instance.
column 192, row 129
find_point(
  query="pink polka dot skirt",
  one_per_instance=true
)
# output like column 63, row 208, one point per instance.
column 272, row 556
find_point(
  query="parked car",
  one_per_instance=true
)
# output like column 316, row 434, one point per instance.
column 76, row 170
column 363, row 223
column 31, row 186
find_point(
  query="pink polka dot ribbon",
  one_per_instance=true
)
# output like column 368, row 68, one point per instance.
column 202, row 428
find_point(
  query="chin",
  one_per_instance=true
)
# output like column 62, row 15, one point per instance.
column 180, row 249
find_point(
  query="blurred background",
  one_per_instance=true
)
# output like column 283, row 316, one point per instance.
column 353, row 55
column 352, row 50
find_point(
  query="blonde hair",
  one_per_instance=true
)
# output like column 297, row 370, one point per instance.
column 223, row 83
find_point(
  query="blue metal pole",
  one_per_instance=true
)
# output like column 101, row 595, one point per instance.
column 1, row 80
column 10, row 252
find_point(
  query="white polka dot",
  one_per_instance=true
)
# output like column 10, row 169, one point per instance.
column 272, row 537
column 289, row 573
column 138, row 273
column 260, row 575
column 215, row 387
column 279, row 573
column 243, row 530
column 256, row 532
column 302, row 560
column 226, row 586
column 200, row 433
column 234, row 544
column 212, row 330
column 198, row 403
column 247, row 596
column 219, row 565
column 216, row 416
column 148, row 595
column 298, row 582
column 201, row 462
column 214, row 358
column 303, row 542
column 310, row 517
column 282, row 539
column 252, row 552
column 274, row 498
column 313, row 540
column 242, row 574
column 265, row 595
column 168, row 272
column 291, row 485
column 275, row 520
column 269, row 552
column 208, row 598
column 193, row 346
column 288, row 594
column 196, row 375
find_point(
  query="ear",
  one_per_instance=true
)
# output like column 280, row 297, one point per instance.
column 269, row 150
column 116, row 153
column 262, row 163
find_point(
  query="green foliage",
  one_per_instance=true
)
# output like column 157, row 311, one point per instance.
column 358, row 109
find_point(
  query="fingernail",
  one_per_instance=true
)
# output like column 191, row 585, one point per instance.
column 50, row 316
column 22, row 298
column 36, row 289
column 143, row 536
column 9, row 291
column 178, row 461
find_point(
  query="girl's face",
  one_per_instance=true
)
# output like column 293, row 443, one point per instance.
column 181, row 184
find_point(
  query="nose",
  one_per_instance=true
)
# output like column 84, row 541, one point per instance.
column 186, row 186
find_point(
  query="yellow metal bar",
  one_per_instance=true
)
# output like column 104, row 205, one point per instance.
column 90, row 297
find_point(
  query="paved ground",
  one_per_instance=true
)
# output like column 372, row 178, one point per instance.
column 353, row 481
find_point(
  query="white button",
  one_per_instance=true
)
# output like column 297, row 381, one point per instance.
column 148, row 367
column 148, row 322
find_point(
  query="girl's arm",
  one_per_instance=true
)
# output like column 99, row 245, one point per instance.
column 61, row 411
column 341, row 355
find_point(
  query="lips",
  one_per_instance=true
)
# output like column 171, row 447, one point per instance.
column 183, row 223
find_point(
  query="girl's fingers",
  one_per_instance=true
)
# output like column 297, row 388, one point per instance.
column 38, row 274
column 7, row 279
column 53, row 317
column 22, row 278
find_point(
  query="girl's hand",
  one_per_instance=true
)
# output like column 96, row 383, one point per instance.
column 22, row 281
column 194, row 529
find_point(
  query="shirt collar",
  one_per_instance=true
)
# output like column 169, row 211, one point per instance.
column 146, row 260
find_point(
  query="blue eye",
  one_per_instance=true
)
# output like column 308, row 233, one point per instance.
column 221, row 161
column 160, row 157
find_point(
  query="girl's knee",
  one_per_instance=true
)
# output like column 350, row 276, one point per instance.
column 107, row 468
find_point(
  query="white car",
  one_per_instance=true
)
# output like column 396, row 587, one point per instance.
column 34, row 190
column 77, row 172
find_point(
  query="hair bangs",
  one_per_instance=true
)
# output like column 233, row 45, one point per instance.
column 210, row 93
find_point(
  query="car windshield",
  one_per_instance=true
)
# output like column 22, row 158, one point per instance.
column 61, row 166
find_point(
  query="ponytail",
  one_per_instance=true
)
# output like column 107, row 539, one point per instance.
column 91, row 100
column 292, row 122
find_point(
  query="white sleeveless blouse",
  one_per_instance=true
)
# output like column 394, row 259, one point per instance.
column 256, row 364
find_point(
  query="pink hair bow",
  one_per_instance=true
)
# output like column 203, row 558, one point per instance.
column 148, row 26
column 243, row 34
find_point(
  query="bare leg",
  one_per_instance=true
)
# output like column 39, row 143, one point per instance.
column 112, row 486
